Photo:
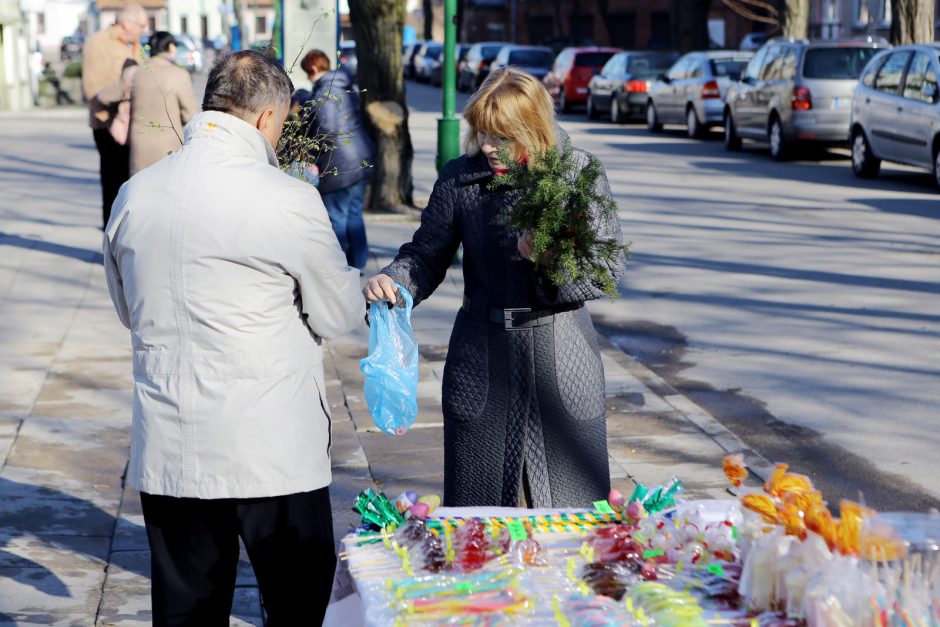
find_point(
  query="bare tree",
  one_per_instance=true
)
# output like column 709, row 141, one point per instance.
column 690, row 26
column 912, row 22
column 378, row 26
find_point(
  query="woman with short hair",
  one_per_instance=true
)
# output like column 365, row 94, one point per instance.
column 523, row 386
column 162, row 102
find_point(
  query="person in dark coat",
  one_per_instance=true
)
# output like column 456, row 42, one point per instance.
column 332, row 112
column 523, row 388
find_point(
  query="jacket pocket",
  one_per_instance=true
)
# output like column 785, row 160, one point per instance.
column 579, row 372
column 466, row 373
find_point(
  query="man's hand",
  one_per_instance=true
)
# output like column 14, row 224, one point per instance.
column 379, row 288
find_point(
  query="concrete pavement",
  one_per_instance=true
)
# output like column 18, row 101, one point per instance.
column 72, row 546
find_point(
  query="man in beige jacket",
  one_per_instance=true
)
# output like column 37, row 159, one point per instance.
column 103, row 59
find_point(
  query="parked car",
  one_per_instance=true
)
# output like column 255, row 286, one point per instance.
column 408, row 56
column 896, row 111
column 189, row 53
column 476, row 66
column 795, row 91
column 437, row 64
column 622, row 86
column 573, row 69
column 71, row 47
column 348, row 59
column 534, row 60
column 692, row 91
column 424, row 60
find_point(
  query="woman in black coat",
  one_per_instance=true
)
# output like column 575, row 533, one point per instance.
column 332, row 113
column 523, row 389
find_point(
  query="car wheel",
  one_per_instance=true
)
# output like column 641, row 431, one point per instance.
column 864, row 164
column 778, row 144
column 653, row 125
column 693, row 128
column 732, row 141
column 563, row 105
column 936, row 163
column 591, row 111
column 616, row 116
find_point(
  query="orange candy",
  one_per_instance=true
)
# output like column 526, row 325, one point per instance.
column 733, row 465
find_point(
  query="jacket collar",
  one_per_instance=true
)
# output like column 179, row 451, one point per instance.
column 233, row 132
column 478, row 169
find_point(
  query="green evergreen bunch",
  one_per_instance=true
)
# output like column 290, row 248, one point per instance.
column 566, row 212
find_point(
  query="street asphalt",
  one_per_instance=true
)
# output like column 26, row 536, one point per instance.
column 780, row 309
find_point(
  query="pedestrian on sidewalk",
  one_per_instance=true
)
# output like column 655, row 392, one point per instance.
column 103, row 60
column 331, row 115
column 162, row 102
column 228, row 274
column 523, row 387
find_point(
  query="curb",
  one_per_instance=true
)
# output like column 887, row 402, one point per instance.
column 705, row 422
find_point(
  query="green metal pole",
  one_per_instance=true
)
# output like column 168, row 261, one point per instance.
column 448, row 126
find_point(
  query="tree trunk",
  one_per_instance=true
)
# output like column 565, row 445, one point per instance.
column 427, row 9
column 690, row 24
column 796, row 19
column 912, row 22
column 459, row 17
column 378, row 26
column 603, row 9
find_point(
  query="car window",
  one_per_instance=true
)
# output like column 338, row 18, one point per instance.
column 755, row 65
column 537, row 58
column 649, row 64
column 732, row 68
column 773, row 66
column 837, row 63
column 921, row 81
column 679, row 71
column 888, row 78
column 695, row 69
column 592, row 59
column 433, row 51
column 489, row 52
column 868, row 78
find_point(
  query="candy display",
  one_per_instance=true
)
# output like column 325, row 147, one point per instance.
column 773, row 557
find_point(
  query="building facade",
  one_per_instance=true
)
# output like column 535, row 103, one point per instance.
column 17, row 71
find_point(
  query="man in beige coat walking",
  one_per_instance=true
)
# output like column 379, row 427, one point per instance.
column 103, row 59
column 229, row 277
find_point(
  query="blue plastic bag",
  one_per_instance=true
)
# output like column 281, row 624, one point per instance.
column 391, row 369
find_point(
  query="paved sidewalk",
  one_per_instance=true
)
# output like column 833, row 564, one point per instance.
column 72, row 546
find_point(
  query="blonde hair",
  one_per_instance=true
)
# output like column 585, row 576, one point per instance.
column 514, row 105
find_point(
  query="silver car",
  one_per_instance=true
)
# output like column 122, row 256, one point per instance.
column 795, row 91
column 896, row 112
column 692, row 91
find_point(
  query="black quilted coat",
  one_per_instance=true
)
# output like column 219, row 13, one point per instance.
column 523, row 408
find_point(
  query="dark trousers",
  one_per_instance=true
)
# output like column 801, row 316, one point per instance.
column 115, row 169
column 194, row 555
column 344, row 207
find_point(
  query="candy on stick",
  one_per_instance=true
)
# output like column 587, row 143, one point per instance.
column 376, row 510
column 733, row 465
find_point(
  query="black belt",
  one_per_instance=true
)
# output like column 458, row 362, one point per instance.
column 522, row 317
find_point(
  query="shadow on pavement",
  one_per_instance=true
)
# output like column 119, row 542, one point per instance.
column 81, row 254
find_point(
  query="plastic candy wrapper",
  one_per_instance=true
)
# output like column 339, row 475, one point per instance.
column 611, row 579
column 734, row 468
column 491, row 597
column 391, row 369
column 616, row 543
column 654, row 603
column 657, row 500
column 376, row 511
column 593, row 611
column 838, row 595
column 413, row 532
column 716, row 585
column 471, row 545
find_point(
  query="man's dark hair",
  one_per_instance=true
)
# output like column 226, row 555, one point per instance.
column 245, row 82
column 160, row 42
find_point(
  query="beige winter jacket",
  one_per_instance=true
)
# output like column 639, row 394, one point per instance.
column 162, row 103
column 103, row 59
column 228, row 274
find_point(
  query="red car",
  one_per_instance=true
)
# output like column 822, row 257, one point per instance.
column 571, row 72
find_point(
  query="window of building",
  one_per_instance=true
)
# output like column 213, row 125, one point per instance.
column 660, row 30
column 204, row 27
column 541, row 28
column 582, row 28
column 261, row 24
column 184, row 24
column 151, row 23
column 623, row 30
column 872, row 12
column 40, row 23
